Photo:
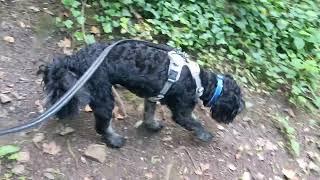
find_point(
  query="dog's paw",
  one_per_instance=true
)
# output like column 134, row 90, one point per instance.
column 114, row 141
column 204, row 136
column 156, row 126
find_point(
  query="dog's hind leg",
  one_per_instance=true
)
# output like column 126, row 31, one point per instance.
column 149, row 120
column 102, row 106
column 183, row 116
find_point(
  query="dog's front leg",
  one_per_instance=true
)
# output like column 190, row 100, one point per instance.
column 102, row 107
column 149, row 120
column 183, row 116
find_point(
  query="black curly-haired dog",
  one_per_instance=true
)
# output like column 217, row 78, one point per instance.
column 142, row 68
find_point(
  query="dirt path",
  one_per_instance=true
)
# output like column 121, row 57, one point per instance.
column 252, row 144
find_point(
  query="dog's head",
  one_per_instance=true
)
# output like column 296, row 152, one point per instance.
column 229, row 102
column 58, row 78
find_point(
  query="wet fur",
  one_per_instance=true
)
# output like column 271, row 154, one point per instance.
column 142, row 69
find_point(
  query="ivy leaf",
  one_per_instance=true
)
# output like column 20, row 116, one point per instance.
column 299, row 43
column 89, row 39
column 295, row 147
column 81, row 20
column 107, row 28
column 282, row 24
column 8, row 149
column 68, row 23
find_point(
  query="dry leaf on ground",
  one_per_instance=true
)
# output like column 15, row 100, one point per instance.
column 51, row 148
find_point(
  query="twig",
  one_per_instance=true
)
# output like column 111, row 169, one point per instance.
column 188, row 153
column 72, row 153
column 168, row 172
column 136, row 15
column 119, row 102
column 82, row 14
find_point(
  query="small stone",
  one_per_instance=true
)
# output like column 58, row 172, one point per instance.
column 5, row 98
column 249, row 104
column 246, row 176
column 167, row 138
column 9, row 39
column 220, row 127
column 23, row 156
column 96, row 152
column 18, row 169
column 38, row 137
column 259, row 176
column 66, row 131
column 289, row 174
column 48, row 175
column 290, row 112
column 313, row 167
column 138, row 124
column 232, row 167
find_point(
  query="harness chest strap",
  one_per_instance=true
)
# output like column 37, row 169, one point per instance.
column 177, row 61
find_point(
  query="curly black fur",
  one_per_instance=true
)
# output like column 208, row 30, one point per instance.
column 141, row 68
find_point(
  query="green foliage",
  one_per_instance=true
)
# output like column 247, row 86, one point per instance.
column 274, row 42
column 8, row 149
column 289, row 134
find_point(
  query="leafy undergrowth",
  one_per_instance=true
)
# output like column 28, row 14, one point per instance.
column 266, row 43
column 289, row 134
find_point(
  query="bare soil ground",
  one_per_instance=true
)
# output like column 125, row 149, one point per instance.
column 252, row 146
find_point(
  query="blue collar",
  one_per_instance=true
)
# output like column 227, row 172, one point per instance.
column 217, row 91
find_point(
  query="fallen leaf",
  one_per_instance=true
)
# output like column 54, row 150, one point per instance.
column 117, row 113
column 51, row 148
column 65, row 43
column 38, row 137
column 18, row 169
column 95, row 30
column 204, row 167
column 246, row 176
column 23, row 156
column 5, row 98
column 9, row 39
column 87, row 109
column 290, row 174
column 96, row 152
column 232, row 167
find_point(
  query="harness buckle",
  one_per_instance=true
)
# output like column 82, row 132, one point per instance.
column 172, row 76
column 157, row 98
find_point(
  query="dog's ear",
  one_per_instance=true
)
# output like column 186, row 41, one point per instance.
column 230, row 103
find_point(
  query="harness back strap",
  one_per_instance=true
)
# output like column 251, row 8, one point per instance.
column 177, row 61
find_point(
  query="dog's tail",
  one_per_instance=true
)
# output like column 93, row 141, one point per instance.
column 58, row 78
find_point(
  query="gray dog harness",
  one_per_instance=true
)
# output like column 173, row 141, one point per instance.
column 177, row 61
